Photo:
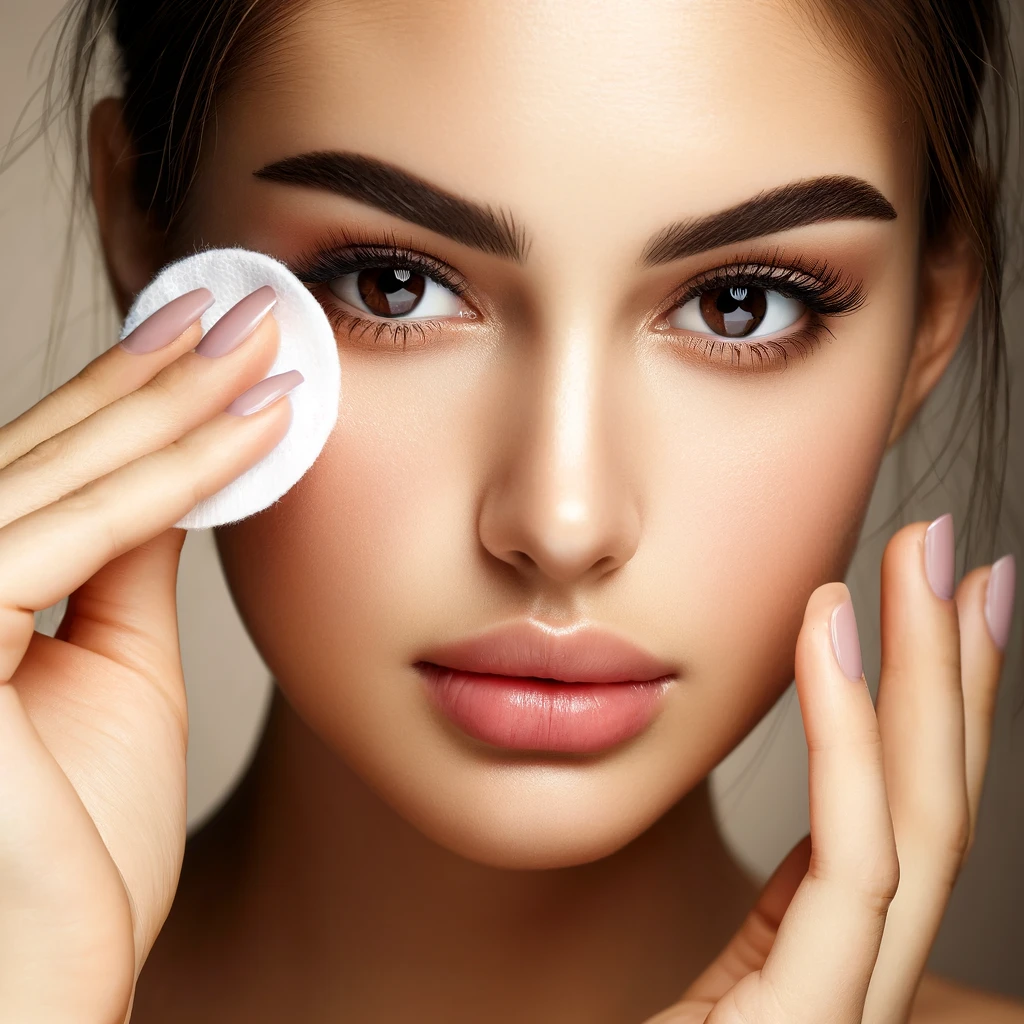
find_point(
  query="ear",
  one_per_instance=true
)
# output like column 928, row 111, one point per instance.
column 131, row 243
column 950, row 280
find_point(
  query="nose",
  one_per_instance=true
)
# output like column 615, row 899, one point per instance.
column 560, row 505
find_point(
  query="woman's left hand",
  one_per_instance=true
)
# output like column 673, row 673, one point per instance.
column 935, row 705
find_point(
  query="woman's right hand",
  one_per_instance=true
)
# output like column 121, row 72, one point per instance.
column 93, row 721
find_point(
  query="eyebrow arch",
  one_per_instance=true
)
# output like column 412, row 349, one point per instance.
column 828, row 198
column 404, row 195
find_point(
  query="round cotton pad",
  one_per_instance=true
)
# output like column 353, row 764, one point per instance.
column 307, row 345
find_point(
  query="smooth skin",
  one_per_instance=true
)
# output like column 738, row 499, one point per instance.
column 374, row 866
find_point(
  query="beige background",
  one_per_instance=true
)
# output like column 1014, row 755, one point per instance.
column 761, row 789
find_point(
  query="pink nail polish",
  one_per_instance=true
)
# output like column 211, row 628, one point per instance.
column 939, row 557
column 265, row 393
column 170, row 321
column 846, row 641
column 1002, row 583
column 237, row 323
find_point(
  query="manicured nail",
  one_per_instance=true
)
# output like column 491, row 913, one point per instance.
column 269, row 390
column 939, row 559
column 846, row 641
column 1002, row 582
column 168, row 322
column 237, row 323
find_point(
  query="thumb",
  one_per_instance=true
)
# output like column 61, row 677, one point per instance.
column 748, row 949
column 127, row 611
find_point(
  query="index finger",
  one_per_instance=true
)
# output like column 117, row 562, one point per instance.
column 821, row 962
column 171, row 331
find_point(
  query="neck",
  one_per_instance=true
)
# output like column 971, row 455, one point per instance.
column 327, row 892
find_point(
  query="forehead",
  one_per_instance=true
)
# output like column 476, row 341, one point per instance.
column 547, row 107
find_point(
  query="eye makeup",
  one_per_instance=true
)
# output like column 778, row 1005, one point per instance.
column 823, row 291
column 341, row 255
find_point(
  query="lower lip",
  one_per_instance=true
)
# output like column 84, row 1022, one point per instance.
column 526, row 714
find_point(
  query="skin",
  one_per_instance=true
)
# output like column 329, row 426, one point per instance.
column 561, row 456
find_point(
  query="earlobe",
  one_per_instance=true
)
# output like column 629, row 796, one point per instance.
column 129, row 240
column 950, row 282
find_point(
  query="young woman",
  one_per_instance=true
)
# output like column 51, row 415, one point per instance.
column 630, row 301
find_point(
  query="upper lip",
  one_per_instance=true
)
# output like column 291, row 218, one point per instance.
column 578, row 654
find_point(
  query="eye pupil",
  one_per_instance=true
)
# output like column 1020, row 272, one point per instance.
column 734, row 312
column 389, row 291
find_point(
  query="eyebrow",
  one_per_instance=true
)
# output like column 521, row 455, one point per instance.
column 412, row 198
column 404, row 195
column 828, row 198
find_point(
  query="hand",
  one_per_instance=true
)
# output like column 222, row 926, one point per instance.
column 842, row 930
column 93, row 722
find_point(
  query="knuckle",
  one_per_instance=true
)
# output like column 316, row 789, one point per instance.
column 88, row 503
column 16, row 628
column 959, row 838
column 164, row 385
column 56, row 448
column 878, row 884
column 91, row 385
column 968, row 846
column 185, row 450
column 942, row 827
column 871, row 881
column 886, row 878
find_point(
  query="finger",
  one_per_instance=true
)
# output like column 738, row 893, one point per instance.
column 820, row 964
column 748, row 949
column 920, row 700
column 127, row 612
column 112, row 375
column 54, row 550
column 985, row 602
column 921, row 719
column 181, row 396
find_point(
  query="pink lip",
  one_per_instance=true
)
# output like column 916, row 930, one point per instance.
column 583, row 654
column 528, row 687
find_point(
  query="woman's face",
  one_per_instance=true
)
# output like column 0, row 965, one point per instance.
column 647, row 421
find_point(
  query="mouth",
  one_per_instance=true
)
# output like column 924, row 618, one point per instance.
column 526, row 686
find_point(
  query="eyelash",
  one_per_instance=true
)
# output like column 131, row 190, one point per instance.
column 824, row 291
column 340, row 255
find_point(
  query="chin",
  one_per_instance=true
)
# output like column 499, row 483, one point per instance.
column 534, row 827
column 530, row 810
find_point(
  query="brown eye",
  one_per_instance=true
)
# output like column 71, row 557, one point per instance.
column 390, row 291
column 393, row 292
column 734, row 312
column 737, row 311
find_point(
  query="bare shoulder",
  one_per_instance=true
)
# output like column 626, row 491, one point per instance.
column 943, row 1001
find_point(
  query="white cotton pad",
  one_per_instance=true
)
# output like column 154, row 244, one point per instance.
column 307, row 345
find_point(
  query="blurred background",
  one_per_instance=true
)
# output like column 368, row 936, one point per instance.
column 760, row 789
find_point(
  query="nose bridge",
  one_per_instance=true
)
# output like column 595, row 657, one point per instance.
column 563, row 507
column 569, row 428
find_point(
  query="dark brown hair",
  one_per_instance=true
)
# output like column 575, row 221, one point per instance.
column 948, row 60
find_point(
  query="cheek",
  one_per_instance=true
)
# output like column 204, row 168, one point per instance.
column 762, row 502
column 350, row 543
column 372, row 554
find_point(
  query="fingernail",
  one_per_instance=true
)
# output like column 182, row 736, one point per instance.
column 170, row 321
column 237, row 323
column 846, row 640
column 269, row 390
column 1002, row 583
column 939, row 556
